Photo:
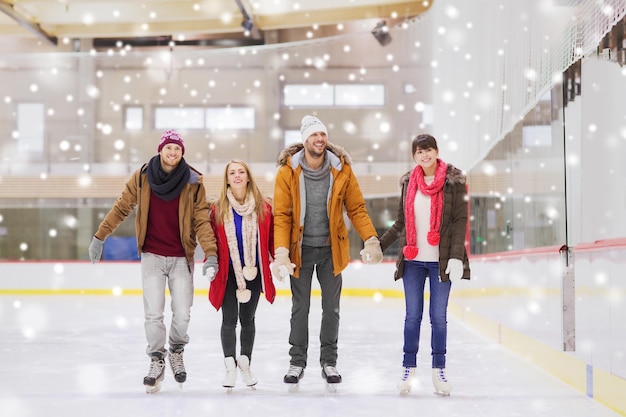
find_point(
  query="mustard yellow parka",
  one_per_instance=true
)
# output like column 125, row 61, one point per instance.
column 344, row 194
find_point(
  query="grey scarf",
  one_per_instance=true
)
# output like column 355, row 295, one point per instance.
column 315, row 174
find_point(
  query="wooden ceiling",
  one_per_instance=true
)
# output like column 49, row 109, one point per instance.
column 193, row 21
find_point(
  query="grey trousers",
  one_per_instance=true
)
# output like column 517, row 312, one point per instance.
column 318, row 259
column 177, row 273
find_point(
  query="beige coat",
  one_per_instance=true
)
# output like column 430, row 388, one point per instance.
column 193, row 213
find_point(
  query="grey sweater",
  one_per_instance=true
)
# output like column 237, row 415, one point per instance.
column 317, row 183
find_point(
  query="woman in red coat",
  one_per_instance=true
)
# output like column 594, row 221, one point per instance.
column 243, row 224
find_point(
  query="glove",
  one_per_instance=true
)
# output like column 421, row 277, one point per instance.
column 210, row 268
column 371, row 253
column 95, row 249
column 454, row 269
column 282, row 267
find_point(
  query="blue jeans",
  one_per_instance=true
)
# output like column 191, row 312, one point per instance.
column 414, row 280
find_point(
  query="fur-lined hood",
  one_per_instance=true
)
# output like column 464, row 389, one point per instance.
column 453, row 176
column 293, row 149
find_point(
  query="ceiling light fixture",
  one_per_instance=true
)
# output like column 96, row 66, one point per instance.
column 248, row 23
column 381, row 33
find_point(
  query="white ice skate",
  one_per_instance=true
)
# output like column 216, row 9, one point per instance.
column 152, row 381
column 408, row 378
column 440, row 382
column 293, row 377
column 243, row 363
column 231, row 373
column 332, row 377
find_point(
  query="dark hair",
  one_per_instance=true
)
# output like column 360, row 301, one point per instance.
column 423, row 141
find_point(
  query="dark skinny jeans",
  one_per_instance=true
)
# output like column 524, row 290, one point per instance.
column 232, row 311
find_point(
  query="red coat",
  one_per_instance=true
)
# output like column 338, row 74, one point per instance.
column 265, row 246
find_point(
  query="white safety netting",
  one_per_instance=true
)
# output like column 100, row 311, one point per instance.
column 494, row 61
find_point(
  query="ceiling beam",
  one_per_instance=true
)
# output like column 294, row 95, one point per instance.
column 321, row 17
column 157, row 28
column 7, row 8
column 179, row 20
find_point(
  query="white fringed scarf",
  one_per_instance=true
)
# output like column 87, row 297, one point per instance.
column 249, row 236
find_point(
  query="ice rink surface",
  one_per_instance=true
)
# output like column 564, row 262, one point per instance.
column 81, row 356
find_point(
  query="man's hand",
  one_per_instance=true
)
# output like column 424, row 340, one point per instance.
column 282, row 267
column 210, row 268
column 95, row 250
column 371, row 253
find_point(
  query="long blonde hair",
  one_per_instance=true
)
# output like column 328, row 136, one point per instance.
column 223, row 205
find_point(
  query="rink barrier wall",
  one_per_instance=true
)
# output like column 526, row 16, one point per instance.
column 124, row 278
column 513, row 299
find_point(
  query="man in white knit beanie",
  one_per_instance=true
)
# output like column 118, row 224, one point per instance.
column 310, row 125
column 314, row 185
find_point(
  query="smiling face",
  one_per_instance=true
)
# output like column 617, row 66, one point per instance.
column 427, row 159
column 315, row 144
column 171, row 154
column 237, row 178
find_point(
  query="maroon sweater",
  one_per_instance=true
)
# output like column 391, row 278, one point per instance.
column 162, row 233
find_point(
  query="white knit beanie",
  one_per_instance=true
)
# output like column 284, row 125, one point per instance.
column 310, row 125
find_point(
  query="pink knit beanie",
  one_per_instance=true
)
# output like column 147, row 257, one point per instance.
column 171, row 136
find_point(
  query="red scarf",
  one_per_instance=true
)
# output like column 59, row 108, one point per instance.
column 435, row 191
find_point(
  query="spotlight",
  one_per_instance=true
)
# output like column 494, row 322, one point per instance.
column 249, row 29
column 247, row 24
column 381, row 33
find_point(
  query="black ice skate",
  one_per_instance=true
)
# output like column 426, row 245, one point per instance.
column 178, row 367
column 293, row 377
column 152, row 381
column 332, row 377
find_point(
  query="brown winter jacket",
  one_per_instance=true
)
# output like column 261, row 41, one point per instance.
column 193, row 213
column 290, row 205
column 453, row 224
